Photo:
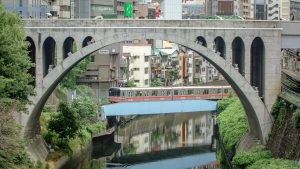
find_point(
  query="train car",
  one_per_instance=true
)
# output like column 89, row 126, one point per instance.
column 125, row 94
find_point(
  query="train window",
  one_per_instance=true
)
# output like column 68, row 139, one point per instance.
column 220, row 91
column 163, row 93
column 205, row 91
column 190, row 92
column 175, row 92
column 225, row 90
column 159, row 93
column 169, row 92
column 154, row 93
column 138, row 93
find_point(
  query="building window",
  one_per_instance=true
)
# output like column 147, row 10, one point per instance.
column 146, row 70
column 92, row 58
column 146, row 81
column 136, row 81
column 146, row 58
column 136, row 69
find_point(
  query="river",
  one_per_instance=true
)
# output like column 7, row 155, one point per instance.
column 169, row 141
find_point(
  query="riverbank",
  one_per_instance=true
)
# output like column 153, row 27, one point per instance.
column 233, row 125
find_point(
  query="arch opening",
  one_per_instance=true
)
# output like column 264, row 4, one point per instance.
column 238, row 55
column 69, row 47
column 32, row 54
column 219, row 46
column 87, row 41
column 49, row 55
column 257, row 65
column 201, row 40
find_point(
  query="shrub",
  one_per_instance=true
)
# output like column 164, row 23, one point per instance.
column 232, row 124
column 274, row 164
column 246, row 158
column 296, row 118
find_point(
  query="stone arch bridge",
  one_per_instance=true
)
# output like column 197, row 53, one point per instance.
column 247, row 53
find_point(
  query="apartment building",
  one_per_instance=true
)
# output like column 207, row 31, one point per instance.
column 28, row 8
column 138, row 63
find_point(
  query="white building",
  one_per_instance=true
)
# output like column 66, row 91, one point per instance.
column 171, row 9
column 139, row 64
column 273, row 12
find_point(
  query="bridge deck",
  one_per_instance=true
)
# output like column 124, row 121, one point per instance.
column 157, row 107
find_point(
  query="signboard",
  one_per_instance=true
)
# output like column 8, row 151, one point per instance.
column 128, row 9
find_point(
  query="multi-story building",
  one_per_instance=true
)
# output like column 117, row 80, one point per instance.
column 60, row 9
column 138, row 63
column 291, row 9
column 92, row 8
column 258, row 10
column 273, row 12
column 224, row 7
column 28, row 8
column 246, row 9
column 103, row 71
column 183, row 68
column 171, row 9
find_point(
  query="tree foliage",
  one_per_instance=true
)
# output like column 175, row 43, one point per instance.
column 156, row 83
column 232, row 123
column 130, row 83
column 14, row 60
column 86, row 108
column 65, row 123
column 15, row 89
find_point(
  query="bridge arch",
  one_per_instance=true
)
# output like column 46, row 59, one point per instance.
column 238, row 54
column 219, row 46
column 257, row 65
column 68, row 47
column 32, row 55
column 258, row 117
column 49, row 55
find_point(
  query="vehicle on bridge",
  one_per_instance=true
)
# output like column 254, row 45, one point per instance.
column 125, row 94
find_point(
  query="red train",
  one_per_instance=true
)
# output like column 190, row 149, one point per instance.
column 125, row 94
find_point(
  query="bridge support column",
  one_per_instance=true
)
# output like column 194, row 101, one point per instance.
column 272, row 71
column 247, row 61
column 59, row 54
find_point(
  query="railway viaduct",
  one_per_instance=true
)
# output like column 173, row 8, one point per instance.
column 246, row 53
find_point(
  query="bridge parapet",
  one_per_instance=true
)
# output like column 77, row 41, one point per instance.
column 205, row 24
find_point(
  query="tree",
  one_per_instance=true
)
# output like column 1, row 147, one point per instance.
column 14, row 60
column 130, row 83
column 65, row 123
column 14, row 89
column 86, row 109
column 156, row 83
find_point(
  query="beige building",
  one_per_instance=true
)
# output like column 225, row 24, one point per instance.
column 138, row 63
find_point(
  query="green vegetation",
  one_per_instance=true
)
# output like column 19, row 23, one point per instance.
column 232, row 121
column 245, row 158
column 72, row 126
column 274, row 164
column 130, row 83
column 14, row 89
column 296, row 118
column 156, row 83
column 232, row 124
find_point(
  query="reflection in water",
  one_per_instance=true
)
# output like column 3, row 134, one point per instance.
column 181, row 140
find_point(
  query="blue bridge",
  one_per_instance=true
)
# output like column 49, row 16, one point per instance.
column 157, row 107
